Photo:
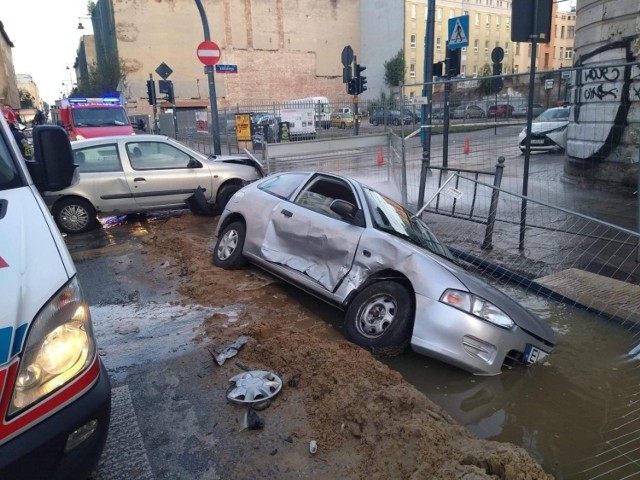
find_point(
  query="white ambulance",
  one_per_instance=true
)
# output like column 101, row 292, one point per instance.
column 55, row 399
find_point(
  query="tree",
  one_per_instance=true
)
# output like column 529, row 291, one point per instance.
column 26, row 99
column 103, row 79
column 394, row 70
column 485, row 83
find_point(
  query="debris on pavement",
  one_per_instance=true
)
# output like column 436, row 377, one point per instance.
column 251, row 420
column 222, row 353
column 313, row 447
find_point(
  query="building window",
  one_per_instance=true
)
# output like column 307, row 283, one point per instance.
column 465, row 12
column 506, row 48
column 438, row 43
column 571, row 31
column 412, row 70
column 517, row 48
column 488, row 20
column 497, row 44
column 497, row 20
column 562, row 31
column 452, row 13
column 568, row 53
column 475, row 71
column 486, row 46
column 477, row 19
column 414, row 12
column 475, row 45
column 413, row 40
column 463, row 69
column 439, row 14
column 561, row 52
column 508, row 22
column 515, row 69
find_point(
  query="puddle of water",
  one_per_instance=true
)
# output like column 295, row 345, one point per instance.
column 560, row 412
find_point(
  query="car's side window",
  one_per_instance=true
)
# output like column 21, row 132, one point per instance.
column 320, row 192
column 156, row 156
column 284, row 185
column 100, row 158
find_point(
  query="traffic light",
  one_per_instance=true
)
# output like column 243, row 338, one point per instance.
column 352, row 86
column 166, row 87
column 437, row 69
column 151, row 92
column 454, row 63
column 361, row 80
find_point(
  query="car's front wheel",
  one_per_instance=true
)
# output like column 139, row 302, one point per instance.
column 380, row 318
column 227, row 253
column 225, row 194
column 74, row 215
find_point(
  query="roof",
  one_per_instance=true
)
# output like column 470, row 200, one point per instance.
column 5, row 36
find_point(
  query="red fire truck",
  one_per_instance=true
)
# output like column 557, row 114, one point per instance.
column 91, row 117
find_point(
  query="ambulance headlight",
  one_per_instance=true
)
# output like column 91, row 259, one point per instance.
column 59, row 346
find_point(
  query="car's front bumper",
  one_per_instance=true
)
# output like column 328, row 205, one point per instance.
column 39, row 452
column 460, row 339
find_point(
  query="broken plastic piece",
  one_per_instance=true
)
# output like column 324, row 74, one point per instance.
column 225, row 353
column 313, row 447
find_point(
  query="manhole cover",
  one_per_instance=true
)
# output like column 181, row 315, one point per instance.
column 254, row 387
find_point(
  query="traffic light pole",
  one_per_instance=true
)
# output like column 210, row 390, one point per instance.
column 153, row 102
column 445, row 116
column 427, row 91
column 356, row 128
column 217, row 148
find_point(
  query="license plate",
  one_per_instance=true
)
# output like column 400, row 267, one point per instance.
column 536, row 141
column 534, row 355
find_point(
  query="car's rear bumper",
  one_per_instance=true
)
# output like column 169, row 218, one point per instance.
column 40, row 451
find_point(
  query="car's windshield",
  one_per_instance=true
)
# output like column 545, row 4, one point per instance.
column 392, row 218
column 553, row 115
column 99, row 117
column 9, row 177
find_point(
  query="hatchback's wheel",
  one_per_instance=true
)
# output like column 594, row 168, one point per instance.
column 228, row 250
column 380, row 318
column 74, row 215
column 225, row 194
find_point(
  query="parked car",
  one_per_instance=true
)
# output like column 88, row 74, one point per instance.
column 500, row 111
column 548, row 130
column 366, row 254
column 521, row 110
column 389, row 117
column 468, row 111
column 437, row 113
column 414, row 114
column 132, row 174
column 342, row 120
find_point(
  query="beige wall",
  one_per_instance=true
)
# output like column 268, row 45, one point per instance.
column 25, row 82
column 283, row 48
column 8, row 87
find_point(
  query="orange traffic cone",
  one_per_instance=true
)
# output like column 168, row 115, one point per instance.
column 380, row 159
column 467, row 145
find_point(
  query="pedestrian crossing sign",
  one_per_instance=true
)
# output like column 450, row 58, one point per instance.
column 458, row 32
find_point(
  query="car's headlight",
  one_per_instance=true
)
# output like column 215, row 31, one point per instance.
column 80, row 137
column 59, row 346
column 476, row 306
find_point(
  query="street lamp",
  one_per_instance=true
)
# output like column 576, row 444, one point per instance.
column 80, row 25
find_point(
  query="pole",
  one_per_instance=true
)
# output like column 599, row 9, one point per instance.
column 155, row 128
column 527, row 151
column 356, row 128
column 445, row 116
column 427, row 91
column 559, row 85
column 217, row 149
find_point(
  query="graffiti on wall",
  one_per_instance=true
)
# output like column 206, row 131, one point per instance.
column 604, row 88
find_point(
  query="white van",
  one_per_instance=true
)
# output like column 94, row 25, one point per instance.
column 321, row 107
column 55, row 396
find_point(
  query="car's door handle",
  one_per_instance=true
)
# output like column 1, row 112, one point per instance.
column 139, row 179
column 286, row 213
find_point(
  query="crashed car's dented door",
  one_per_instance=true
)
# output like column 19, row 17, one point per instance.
column 306, row 236
column 161, row 174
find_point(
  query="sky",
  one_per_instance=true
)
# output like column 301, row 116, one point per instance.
column 45, row 36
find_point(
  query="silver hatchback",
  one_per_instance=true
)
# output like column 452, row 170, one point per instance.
column 141, row 173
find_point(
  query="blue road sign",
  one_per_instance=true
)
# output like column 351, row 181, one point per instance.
column 226, row 68
column 458, row 32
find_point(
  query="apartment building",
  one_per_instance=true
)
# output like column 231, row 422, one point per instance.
column 8, row 86
column 489, row 27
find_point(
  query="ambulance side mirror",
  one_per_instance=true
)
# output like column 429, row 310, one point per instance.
column 52, row 167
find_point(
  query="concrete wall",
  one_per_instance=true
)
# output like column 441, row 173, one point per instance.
column 284, row 49
column 604, row 133
column 381, row 37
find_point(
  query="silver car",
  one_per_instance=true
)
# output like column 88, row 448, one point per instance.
column 364, row 253
column 141, row 173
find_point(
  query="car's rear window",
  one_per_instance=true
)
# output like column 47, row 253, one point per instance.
column 99, row 158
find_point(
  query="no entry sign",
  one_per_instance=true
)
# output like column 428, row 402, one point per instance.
column 208, row 53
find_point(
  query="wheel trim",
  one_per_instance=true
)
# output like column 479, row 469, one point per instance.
column 228, row 244
column 376, row 316
column 74, row 217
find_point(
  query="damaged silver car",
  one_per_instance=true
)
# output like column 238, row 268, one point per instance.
column 141, row 173
column 364, row 253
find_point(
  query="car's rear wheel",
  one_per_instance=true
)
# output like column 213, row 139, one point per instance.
column 227, row 253
column 74, row 215
column 380, row 318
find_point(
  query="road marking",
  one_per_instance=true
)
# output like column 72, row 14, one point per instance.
column 124, row 456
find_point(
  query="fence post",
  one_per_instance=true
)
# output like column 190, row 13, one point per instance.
column 493, row 208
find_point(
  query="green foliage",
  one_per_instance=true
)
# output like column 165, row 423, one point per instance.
column 103, row 79
column 91, row 6
column 26, row 99
column 394, row 70
column 485, row 83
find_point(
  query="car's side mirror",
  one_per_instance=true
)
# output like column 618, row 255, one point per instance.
column 348, row 211
column 52, row 167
